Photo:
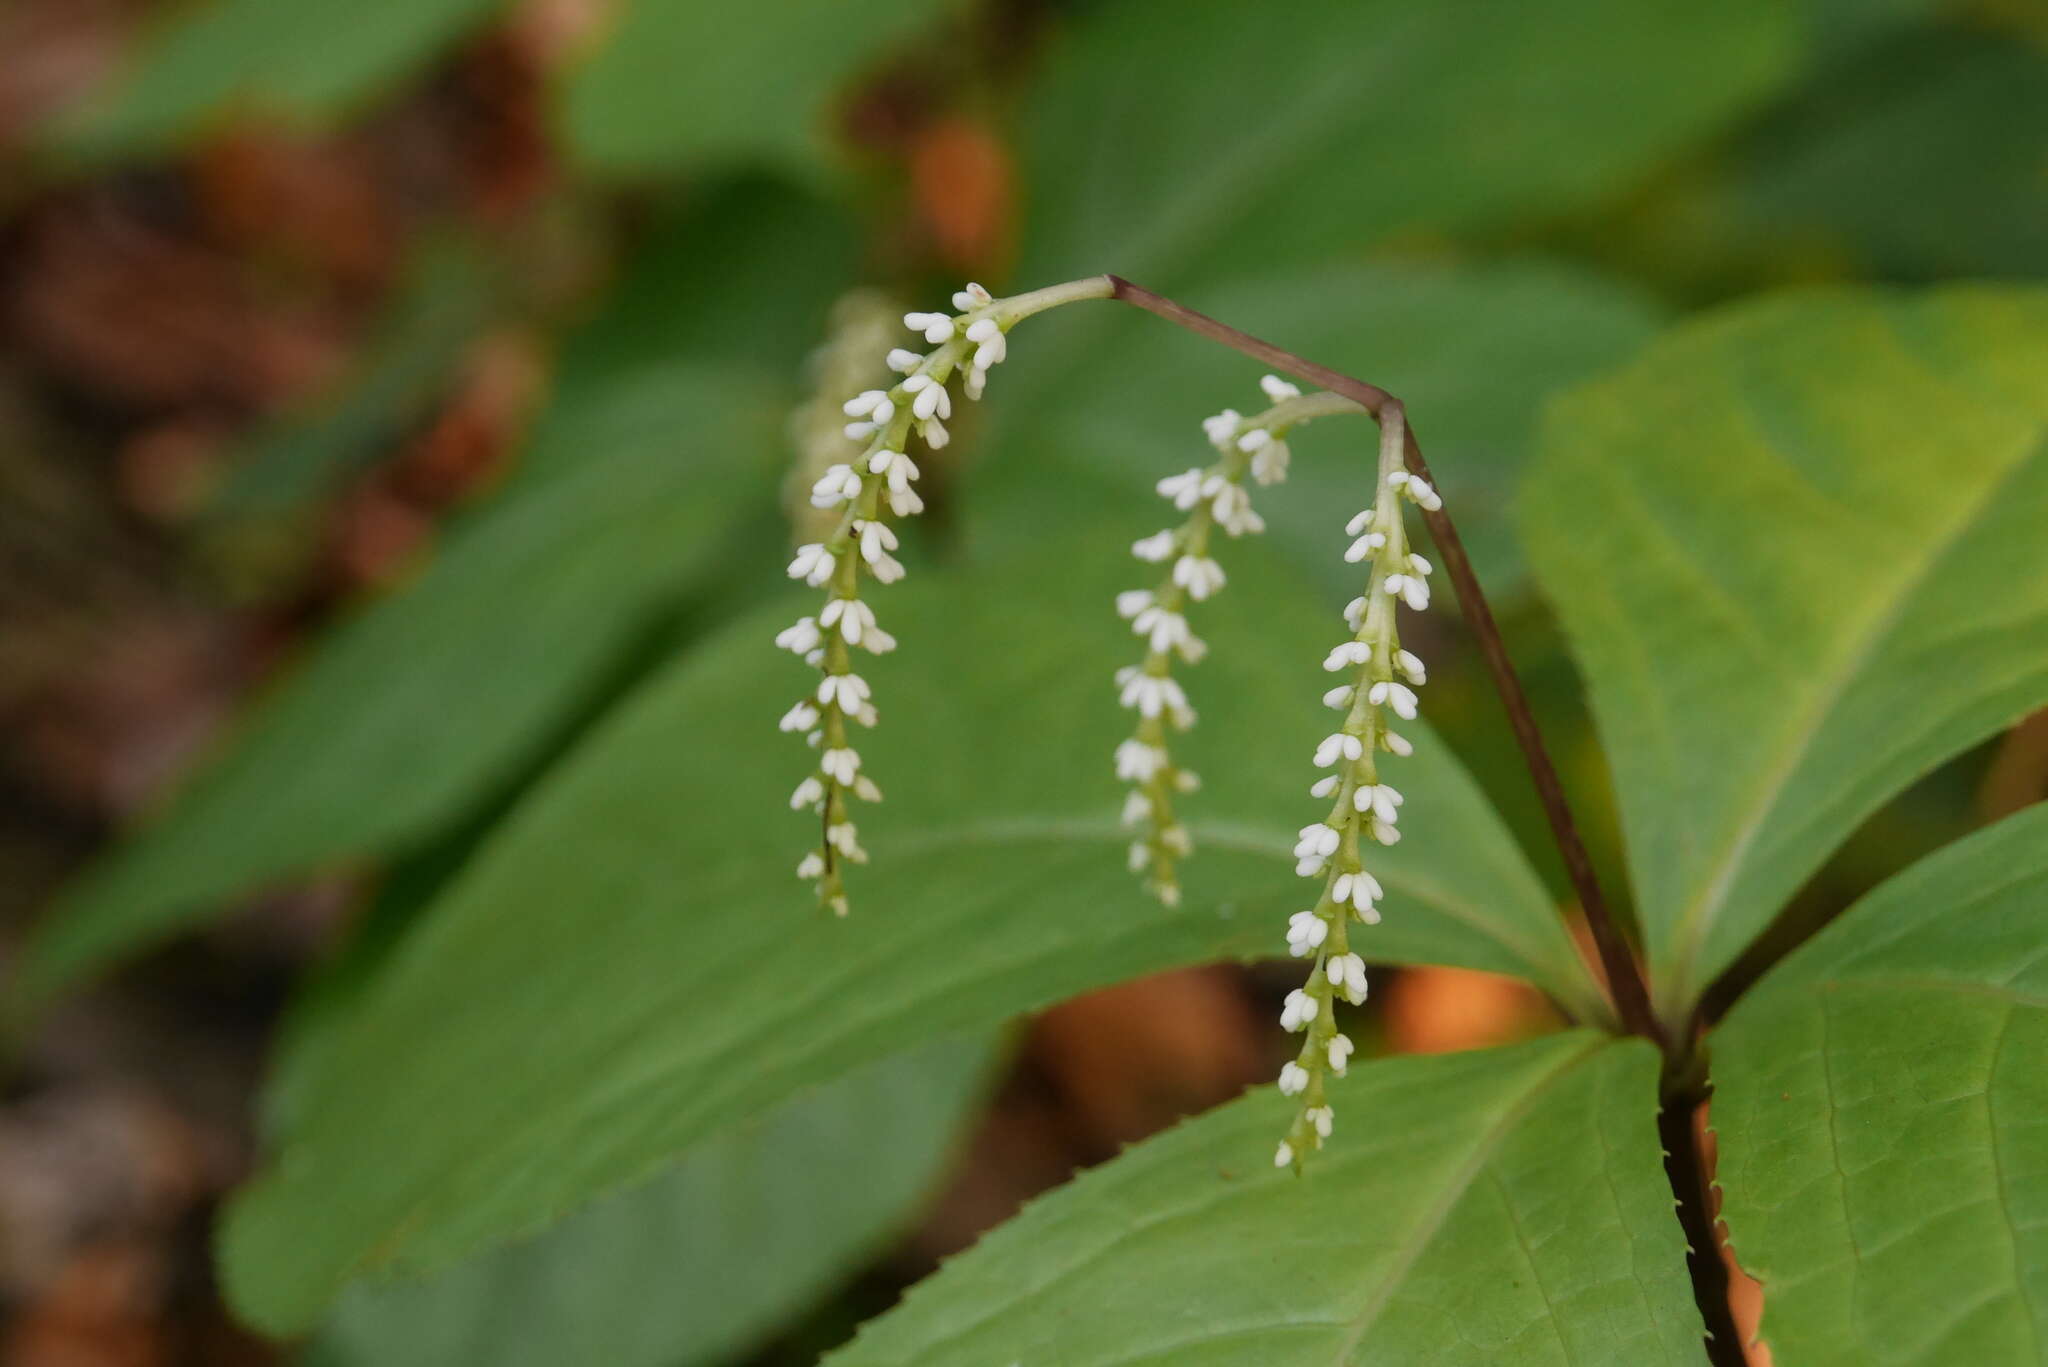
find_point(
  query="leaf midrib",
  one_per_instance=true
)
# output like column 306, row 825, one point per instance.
column 1426, row 1229
column 1697, row 921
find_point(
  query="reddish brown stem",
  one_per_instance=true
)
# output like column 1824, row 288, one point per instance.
column 1685, row 1167
column 1624, row 978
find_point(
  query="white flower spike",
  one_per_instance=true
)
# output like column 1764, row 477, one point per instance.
column 864, row 492
column 1363, row 809
column 1214, row 497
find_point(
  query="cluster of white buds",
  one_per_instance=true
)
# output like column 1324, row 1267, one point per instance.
column 865, row 492
column 1381, row 679
column 1213, row 497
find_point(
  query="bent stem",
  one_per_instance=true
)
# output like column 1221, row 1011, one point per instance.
column 1684, row 1081
column 1624, row 978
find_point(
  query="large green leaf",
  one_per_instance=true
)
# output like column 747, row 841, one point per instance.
column 748, row 1228
column 1473, row 351
column 274, row 57
column 1176, row 136
column 1882, row 1105
column 629, row 965
column 1497, row 1207
column 1797, row 547
column 422, row 703
column 676, row 82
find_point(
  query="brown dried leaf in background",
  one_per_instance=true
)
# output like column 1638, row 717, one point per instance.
column 83, row 1161
column 318, row 200
column 165, row 471
column 556, row 31
column 963, row 184
column 469, row 443
column 378, row 535
column 1131, row 1060
column 108, row 734
column 124, row 311
column 1440, row 1010
column 496, row 101
column 2018, row 776
column 100, row 1311
column 1022, row 1146
column 57, row 51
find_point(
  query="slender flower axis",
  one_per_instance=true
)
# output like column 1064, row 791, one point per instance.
column 862, row 493
column 1364, row 809
column 1214, row 498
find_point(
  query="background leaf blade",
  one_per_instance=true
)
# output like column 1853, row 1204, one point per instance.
column 675, row 82
column 1391, row 118
column 308, row 62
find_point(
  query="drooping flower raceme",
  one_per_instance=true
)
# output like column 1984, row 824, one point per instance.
column 1379, row 680
column 1214, row 497
column 868, row 491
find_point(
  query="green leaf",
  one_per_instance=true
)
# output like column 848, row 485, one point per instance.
column 675, row 83
column 1498, row 1207
column 304, row 62
column 748, row 1229
column 1883, row 1118
column 744, row 273
column 429, row 698
column 1836, row 27
column 1923, row 156
column 1176, row 137
column 1472, row 351
column 629, row 965
column 1797, row 548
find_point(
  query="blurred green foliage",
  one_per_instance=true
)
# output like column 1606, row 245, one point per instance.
column 701, row 1261
column 272, row 58
column 676, row 84
column 1789, row 545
